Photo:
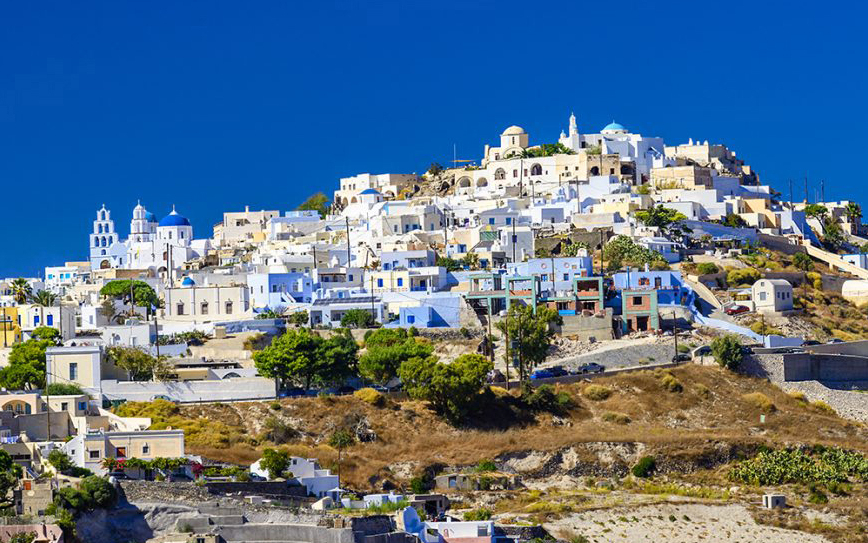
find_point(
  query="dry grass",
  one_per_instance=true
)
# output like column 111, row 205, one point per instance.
column 715, row 405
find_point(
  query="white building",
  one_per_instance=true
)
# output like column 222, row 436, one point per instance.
column 772, row 295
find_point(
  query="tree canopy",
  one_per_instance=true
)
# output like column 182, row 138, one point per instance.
column 275, row 462
column 140, row 365
column 318, row 202
column 386, row 350
column 622, row 251
column 452, row 389
column 21, row 290
column 666, row 219
column 303, row 357
column 357, row 318
column 10, row 472
column 143, row 294
column 727, row 352
column 26, row 369
column 531, row 333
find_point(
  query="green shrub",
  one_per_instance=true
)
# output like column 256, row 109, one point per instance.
column 742, row 277
column 816, row 495
column 727, row 352
column 478, row 514
column 644, row 467
column 820, row 465
column 596, row 393
column 545, row 398
column 707, row 268
column 485, row 466
column 63, row 389
column 275, row 406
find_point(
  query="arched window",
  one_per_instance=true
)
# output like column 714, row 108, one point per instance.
column 99, row 229
column 500, row 174
column 180, row 308
column 110, row 240
column 595, row 171
column 102, row 242
column 536, row 169
column 204, row 308
column 228, row 308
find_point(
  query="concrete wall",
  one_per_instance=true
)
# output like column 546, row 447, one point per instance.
column 599, row 328
column 250, row 388
column 261, row 488
column 824, row 367
column 301, row 533
column 854, row 348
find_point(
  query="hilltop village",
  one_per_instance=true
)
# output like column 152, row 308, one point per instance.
column 591, row 337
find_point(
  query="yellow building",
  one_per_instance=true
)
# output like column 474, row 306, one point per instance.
column 9, row 327
column 89, row 449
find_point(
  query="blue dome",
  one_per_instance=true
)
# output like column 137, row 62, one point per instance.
column 370, row 191
column 150, row 217
column 173, row 219
column 614, row 126
column 188, row 282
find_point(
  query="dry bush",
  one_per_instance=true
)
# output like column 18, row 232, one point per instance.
column 617, row 418
column 671, row 384
column 798, row 396
column 370, row 396
column 597, row 393
column 823, row 407
column 759, row 400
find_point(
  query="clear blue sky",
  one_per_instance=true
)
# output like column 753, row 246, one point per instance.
column 213, row 105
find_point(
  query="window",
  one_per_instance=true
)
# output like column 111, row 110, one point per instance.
column 379, row 282
column 146, row 449
column 637, row 300
column 49, row 320
column 180, row 308
column 82, row 406
column 544, row 277
column 73, row 371
column 228, row 308
column 35, row 319
column 658, row 282
column 93, row 455
column 350, row 277
column 400, row 282
column 762, row 296
column 204, row 308
column 411, row 319
column 509, row 220
column 491, row 220
column 64, row 406
column 566, row 277
column 121, row 452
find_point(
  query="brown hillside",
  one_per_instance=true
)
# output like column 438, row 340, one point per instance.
column 681, row 411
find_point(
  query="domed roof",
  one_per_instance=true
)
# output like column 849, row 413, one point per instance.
column 513, row 130
column 370, row 191
column 150, row 217
column 188, row 282
column 614, row 127
column 173, row 219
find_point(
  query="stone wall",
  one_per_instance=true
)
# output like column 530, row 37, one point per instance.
column 258, row 488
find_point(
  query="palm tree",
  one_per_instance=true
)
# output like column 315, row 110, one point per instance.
column 21, row 290
column 44, row 298
column 854, row 214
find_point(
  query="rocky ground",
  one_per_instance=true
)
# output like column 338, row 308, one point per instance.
column 674, row 523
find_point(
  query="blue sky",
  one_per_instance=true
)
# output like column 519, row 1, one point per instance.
column 212, row 105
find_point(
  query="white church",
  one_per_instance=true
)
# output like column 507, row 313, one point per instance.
column 155, row 246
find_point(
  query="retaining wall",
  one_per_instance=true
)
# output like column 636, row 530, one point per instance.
column 824, row 367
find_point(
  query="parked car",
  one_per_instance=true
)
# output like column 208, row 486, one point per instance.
column 346, row 389
column 736, row 309
column 558, row 371
column 835, row 340
column 294, row 392
column 702, row 350
column 541, row 374
column 681, row 357
column 809, row 342
column 593, row 367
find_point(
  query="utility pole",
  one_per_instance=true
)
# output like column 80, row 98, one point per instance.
column 807, row 196
column 5, row 344
column 513, row 240
column 675, row 334
column 791, row 194
column 602, row 267
column 822, row 191
column 553, row 274
column 490, row 338
column 508, row 344
column 348, row 243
